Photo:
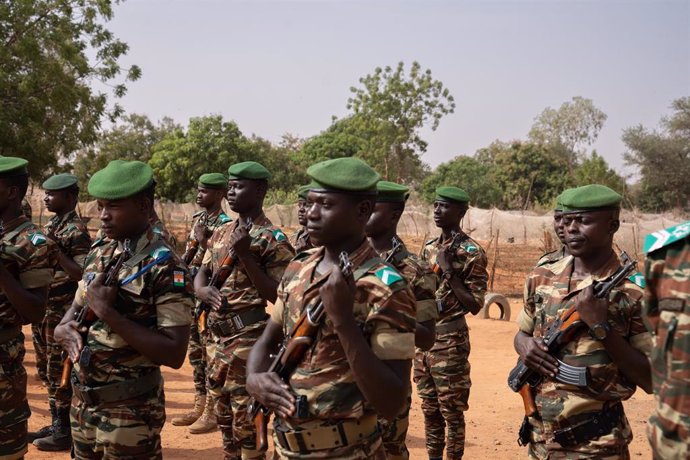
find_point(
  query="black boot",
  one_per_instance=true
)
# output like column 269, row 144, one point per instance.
column 61, row 439
column 31, row 436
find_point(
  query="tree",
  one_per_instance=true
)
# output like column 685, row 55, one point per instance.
column 470, row 175
column 132, row 139
column 568, row 129
column 595, row 170
column 390, row 109
column 663, row 160
column 52, row 51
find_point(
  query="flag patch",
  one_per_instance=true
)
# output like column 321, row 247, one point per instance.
column 279, row 235
column 388, row 275
column 37, row 239
column 638, row 279
column 471, row 248
column 178, row 278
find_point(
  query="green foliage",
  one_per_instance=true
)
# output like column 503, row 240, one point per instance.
column 51, row 52
column 595, row 170
column 663, row 159
column 467, row 173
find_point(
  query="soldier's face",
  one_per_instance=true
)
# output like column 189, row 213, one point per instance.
column 588, row 233
column 207, row 197
column 302, row 212
column 56, row 201
column 124, row 218
column 558, row 226
column 381, row 220
column 447, row 213
column 244, row 195
column 335, row 217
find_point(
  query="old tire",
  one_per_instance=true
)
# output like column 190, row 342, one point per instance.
column 501, row 301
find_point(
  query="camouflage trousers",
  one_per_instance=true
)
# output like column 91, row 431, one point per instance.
column 227, row 380
column 394, row 433
column 49, row 360
column 40, row 351
column 125, row 429
column 198, row 357
column 14, row 408
column 443, row 383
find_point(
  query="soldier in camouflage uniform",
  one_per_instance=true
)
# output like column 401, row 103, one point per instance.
column 360, row 364
column 667, row 313
column 238, row 311
column 141, row 322
column 300, row 240
column 382, row 232
column 26, row 269
column 553, row 256
column 73, row 244
column 211, row 191
column 585, row 422
column 442, row 374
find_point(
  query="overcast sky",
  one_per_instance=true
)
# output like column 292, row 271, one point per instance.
column 287, row 66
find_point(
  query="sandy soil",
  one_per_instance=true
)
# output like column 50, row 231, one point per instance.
column 492, row 421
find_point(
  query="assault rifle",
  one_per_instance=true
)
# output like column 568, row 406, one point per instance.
column 562, row 331
column 290, row 354
column 193, row 248
column 219, row 277
column 86, row 317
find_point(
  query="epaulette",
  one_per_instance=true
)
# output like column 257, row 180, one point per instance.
column 469, row 246
column 658, row 240
column 198, row 213
column 637, row 278
column 302, row 255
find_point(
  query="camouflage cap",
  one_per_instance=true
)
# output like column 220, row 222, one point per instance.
column 120, row 179
column 390, row 192
column 593, row 197
column 248, row 170
column 60, row 182
column 303, row 191
column 13, row 166
column 213, row 180
column 450, row 193
column 348, row 174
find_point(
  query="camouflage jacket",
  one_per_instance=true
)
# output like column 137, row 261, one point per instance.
column 551, row 257
column 158, row 227
column 213, row 222
column 469, row 264
column 74, row 240
column 163, row 297
column 31, row 258
column 301, row 241
column 271, row 248
column 667, row 316
column 547, row 295
column 421, row 279
column 384, row 309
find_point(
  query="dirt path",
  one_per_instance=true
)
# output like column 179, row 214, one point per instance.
column 492, row 421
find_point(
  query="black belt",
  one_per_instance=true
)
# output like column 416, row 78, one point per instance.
column 451, row 326
column 596, row 425
column 69, row 287
column 120, row 391
column 239, row 321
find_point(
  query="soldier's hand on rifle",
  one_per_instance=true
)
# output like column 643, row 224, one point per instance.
column 211, row 296
column 240, row 241
column 338, row 296
column 592, row 309
column 273, row 393
column 201, row 233
column 535, row 355
column 68, row 336
column 101, row 298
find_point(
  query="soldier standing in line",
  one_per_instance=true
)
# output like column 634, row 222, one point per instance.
column 26, row 270
column 359, row 365
column 73, row 243
column 300, row 240
column 382, row 232
column 585, row 422
column 237, row 313
column 140, row 294
column 558, row 254
column 211, row 192
column 666, row 309
column 442, row 374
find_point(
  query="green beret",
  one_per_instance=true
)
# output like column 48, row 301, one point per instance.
column 60, row 181
column 120, row 179
column 213, row 180
column 248, row 170
column 449, row 193
column 346, row 174
column 390, row 192
column 13, row 166
column 559, row 199
column 303, row 191
column 591, row 197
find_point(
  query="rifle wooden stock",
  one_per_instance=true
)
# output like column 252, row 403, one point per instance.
column 528, row 400
column 190, row 252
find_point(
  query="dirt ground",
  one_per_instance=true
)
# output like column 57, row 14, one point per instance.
column 492, row 421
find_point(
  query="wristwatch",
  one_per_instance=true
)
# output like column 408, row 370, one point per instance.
column 600, row 331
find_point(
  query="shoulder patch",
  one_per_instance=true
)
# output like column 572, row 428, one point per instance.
column 279, row 235
column 178, row 278
column 658, row 240
column 224, row 218
column 388, row 275
column 638, row 279
column 471, row 248
column 37, row 239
